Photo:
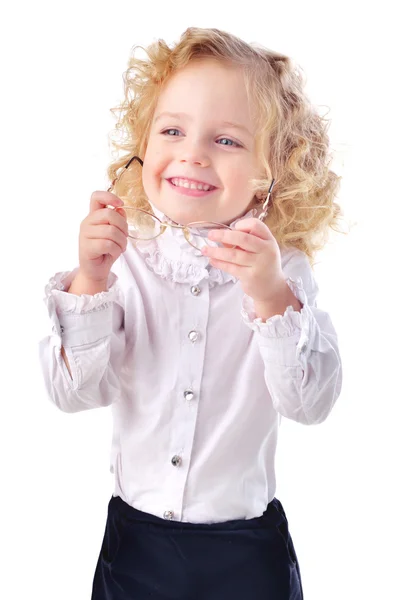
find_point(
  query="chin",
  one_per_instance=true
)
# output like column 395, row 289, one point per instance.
column 183, row 217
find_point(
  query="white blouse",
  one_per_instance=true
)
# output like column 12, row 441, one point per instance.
column 196, row 384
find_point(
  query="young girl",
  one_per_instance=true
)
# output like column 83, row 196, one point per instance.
column 207, row 330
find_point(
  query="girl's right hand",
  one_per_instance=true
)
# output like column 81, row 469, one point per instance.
column 103, row 236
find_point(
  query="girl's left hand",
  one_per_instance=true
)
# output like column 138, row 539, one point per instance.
column 256, row 260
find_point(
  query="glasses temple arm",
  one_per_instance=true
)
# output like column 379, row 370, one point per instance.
column 265, row 204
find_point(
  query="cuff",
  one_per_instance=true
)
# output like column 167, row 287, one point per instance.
column 57, row 289
column 79, row 320
column 291, row 328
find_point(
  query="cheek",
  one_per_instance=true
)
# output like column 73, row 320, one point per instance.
column 151, row 174
column 146, row 178
column 238, row 184
column 154, row 165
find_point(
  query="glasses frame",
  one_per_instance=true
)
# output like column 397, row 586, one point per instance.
column 185, row 228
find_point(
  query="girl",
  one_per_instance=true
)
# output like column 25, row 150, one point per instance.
column 207, row 330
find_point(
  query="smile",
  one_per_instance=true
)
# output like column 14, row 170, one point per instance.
column 190, row 184
column 190, row 188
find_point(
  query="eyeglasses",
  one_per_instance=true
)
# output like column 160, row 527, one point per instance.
column 144, row 226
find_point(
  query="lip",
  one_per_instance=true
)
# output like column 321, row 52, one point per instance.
column 188, row 191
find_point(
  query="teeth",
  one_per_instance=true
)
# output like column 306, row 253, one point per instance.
column 190, row 185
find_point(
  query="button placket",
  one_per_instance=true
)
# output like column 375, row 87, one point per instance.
column 195, row 301
column 194, row 335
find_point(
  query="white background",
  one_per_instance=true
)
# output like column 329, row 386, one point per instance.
column 61, row 72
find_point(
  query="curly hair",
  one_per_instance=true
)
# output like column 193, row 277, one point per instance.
column 302, row 207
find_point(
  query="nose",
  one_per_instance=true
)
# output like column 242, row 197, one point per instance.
column 195, row 154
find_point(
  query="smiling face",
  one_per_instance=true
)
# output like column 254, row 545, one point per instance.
column 201, row 135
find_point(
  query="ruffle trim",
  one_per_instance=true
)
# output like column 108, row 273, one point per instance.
column 172, row 258
column 59, row 301
column 285, row 325
column 178, row 271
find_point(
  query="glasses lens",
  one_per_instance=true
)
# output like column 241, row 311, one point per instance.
column 197, row 234
column 142, row 225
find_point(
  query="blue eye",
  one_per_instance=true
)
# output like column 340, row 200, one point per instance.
column 167, row 130
column 228, row 142
column 231, row 142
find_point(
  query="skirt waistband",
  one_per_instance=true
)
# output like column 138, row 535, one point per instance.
column 272, row 516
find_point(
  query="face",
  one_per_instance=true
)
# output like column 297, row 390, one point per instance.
column 207, row 141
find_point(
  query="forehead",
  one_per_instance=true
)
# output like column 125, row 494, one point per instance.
column 207, row 87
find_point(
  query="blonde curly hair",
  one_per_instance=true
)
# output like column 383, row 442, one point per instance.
column 302, row 207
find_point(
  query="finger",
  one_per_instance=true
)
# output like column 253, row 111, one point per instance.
column 111, row 217
column 246, row 241
column 254, row 227
column 230, row 255
column 99, row 247
column 107, row 232
column 121, row 212
column 100, row 199
column 230, row 268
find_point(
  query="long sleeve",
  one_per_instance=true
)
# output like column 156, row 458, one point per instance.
column 303, row 369
column 91, row 330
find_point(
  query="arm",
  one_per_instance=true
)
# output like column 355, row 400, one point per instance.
column 81, row 360
column 278, row 306
column 299, row 348
column 80, row 286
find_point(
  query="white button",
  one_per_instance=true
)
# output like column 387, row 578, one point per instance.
column 188, row 394
column 195, row 290
column 168, row 514
column 193, row 336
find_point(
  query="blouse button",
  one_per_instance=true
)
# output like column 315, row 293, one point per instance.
column 195, row 290
column 303, row 348
column 188, row 394
column 168, row 514
column 176, row 460
column 193, row 336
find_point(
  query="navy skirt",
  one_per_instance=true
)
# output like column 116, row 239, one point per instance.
column 143, row 556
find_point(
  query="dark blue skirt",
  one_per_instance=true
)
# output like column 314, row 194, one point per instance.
column 143, row 556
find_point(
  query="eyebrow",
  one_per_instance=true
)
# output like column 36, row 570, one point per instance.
column 186, row 116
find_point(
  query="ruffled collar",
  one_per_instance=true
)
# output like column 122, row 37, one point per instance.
column 171, row 257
